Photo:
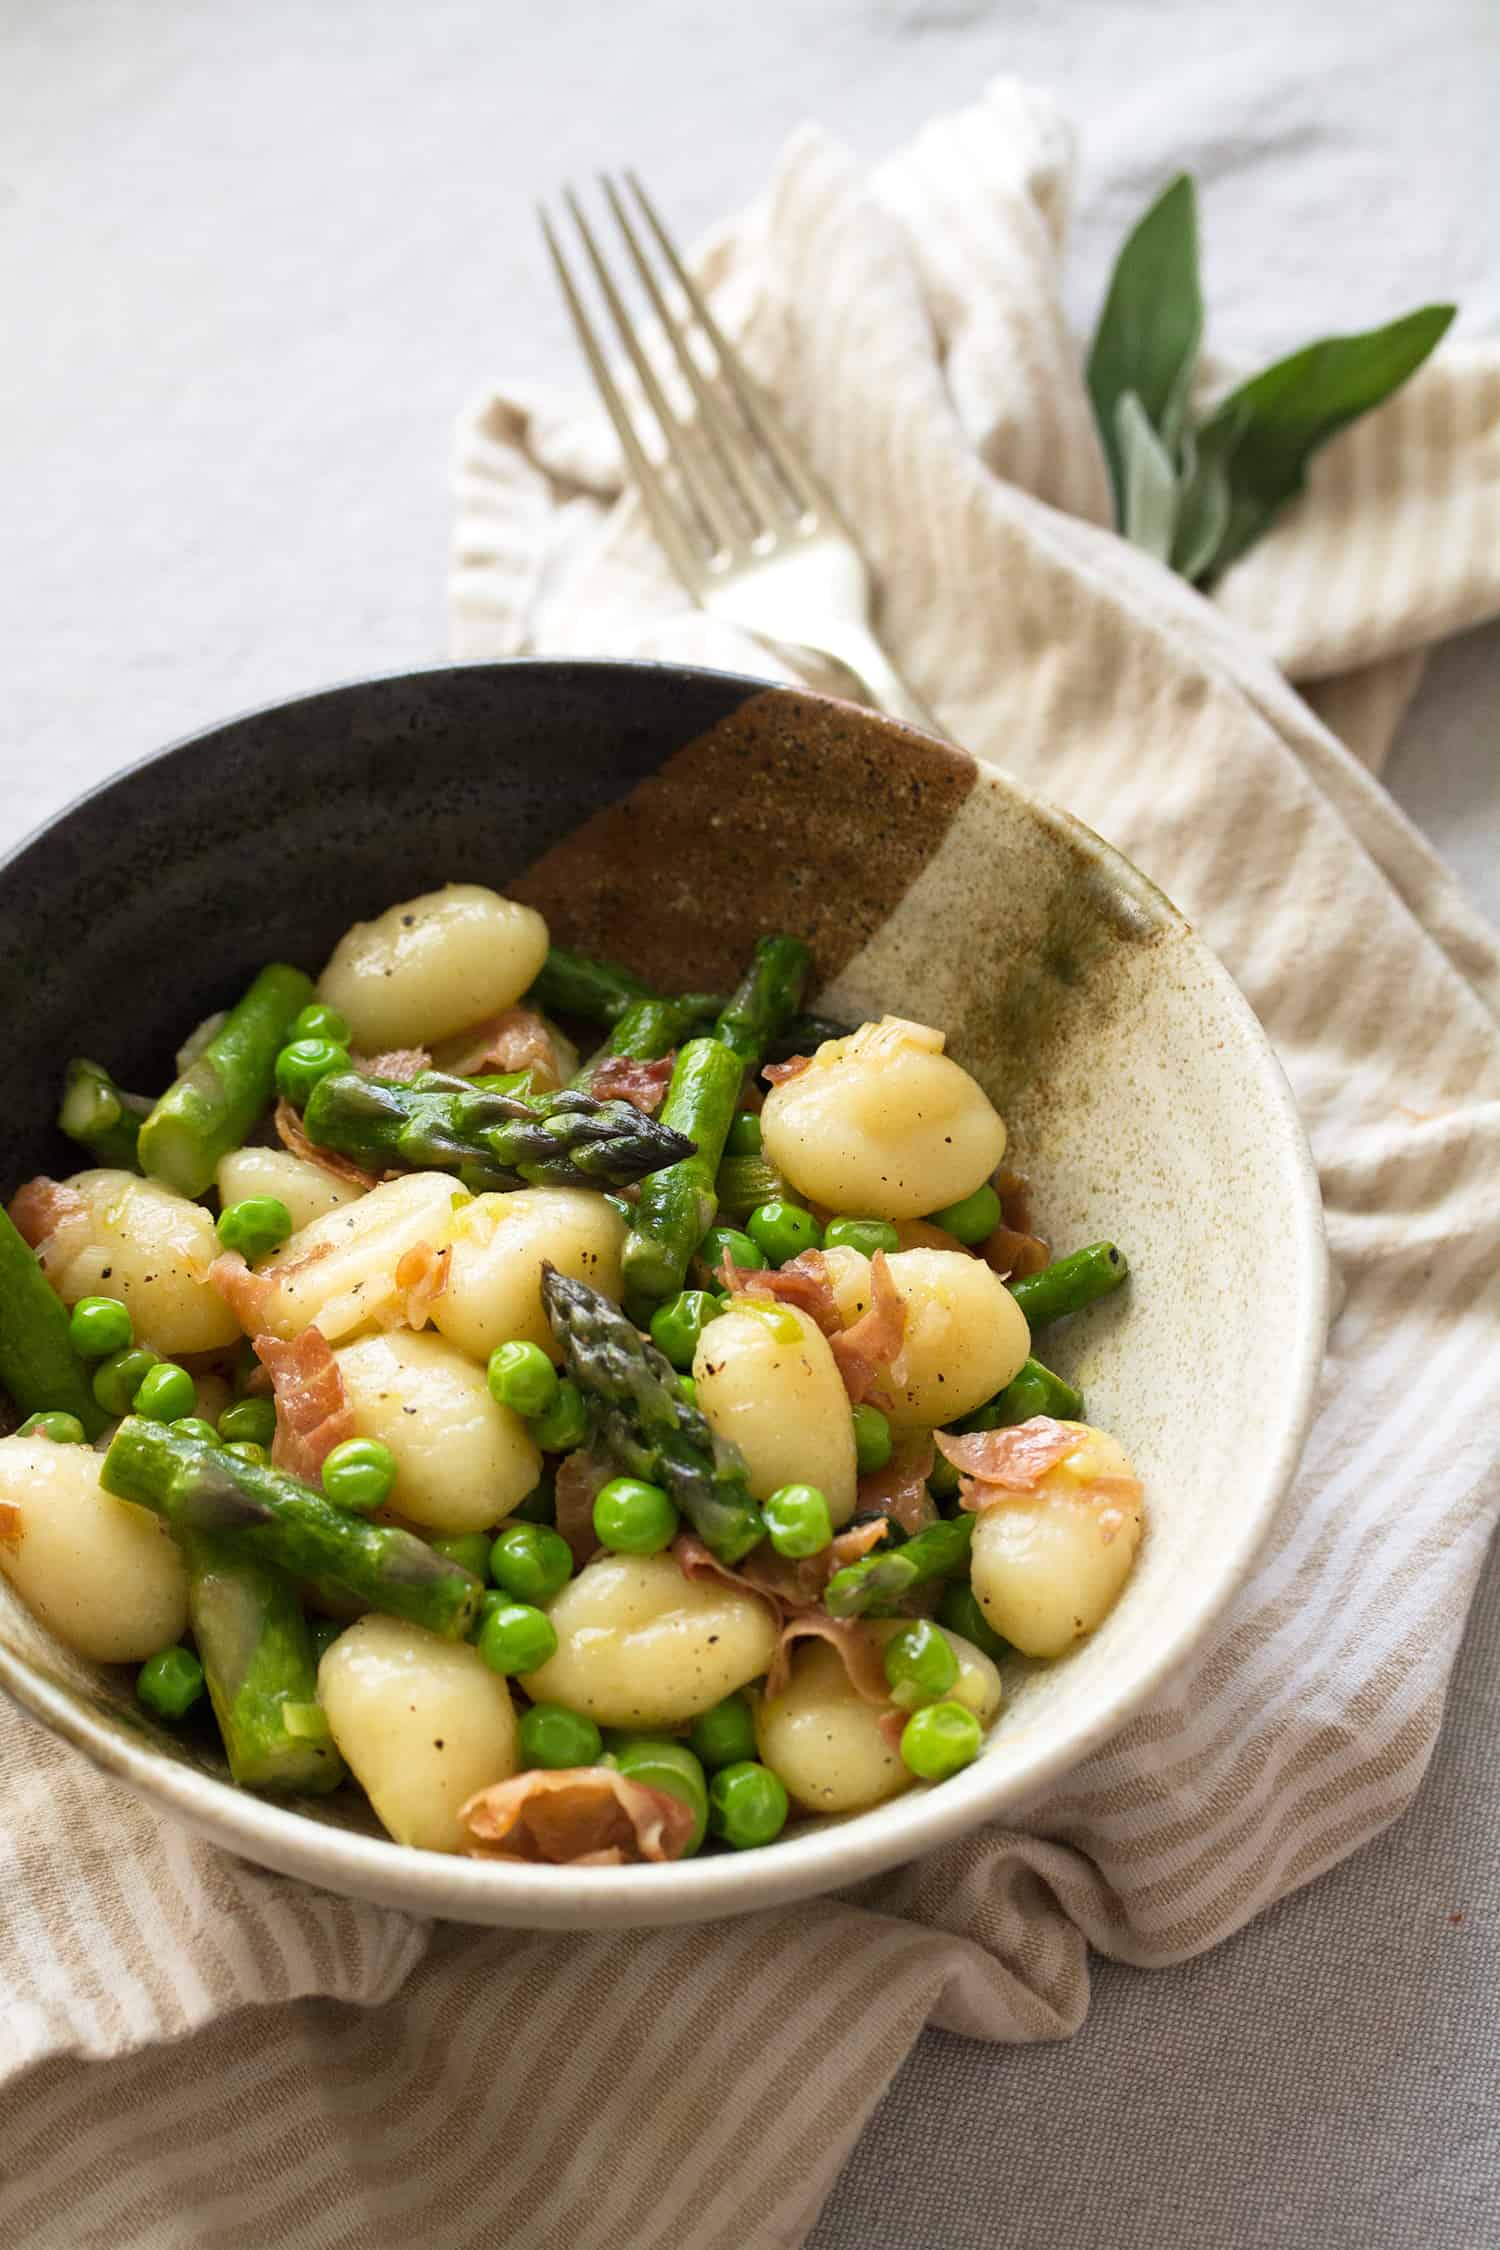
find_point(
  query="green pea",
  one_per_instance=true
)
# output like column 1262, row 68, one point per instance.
column 251, row 1420
column 323, row 1632
column 974, row 1218
column 118, row 1378
column 739, row 1246
column 747, row 1805
column 939, row 1740
column 798, row 1521
column 942, row 1478
column 872, row 1439
column 565, row 1423
column 522, row 1377
column 677, row 1325
column 743, row 1137
column 469, row 1549
column 302, row 1062
column 318, row 1022
column 662, row 1763
column 687, row 1390
column 864, row 1235
column 782, row 1230
column 515, row 1637
column 725, row 1734
column 245, row 1449
column 167, row 1392
column 632, row 1517
column 255, row 1227
column 359, row 1474
column 194, row 1426
column 100, row 1326
column 63, row 1429
column 920, row 1666
column 959, row 1610
column 170, row 1682
column 539, row 1505
column 556, row 1738
column 531, row 1561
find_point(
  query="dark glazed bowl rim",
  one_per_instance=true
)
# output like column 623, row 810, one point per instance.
column 833, row 1853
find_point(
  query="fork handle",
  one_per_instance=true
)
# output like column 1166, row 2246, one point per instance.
column 860, row 654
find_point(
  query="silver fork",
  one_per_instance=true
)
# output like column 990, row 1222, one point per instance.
column 753, row 535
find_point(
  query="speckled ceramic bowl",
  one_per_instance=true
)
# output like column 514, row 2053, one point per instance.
column 667, row 817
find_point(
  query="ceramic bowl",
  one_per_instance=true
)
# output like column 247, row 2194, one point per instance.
column 665, row 817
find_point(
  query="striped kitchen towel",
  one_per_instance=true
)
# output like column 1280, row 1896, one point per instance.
column 697, row 2090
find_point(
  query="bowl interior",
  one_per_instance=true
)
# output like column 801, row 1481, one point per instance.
column 667, row 818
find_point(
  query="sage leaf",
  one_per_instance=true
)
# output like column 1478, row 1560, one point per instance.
column 1265, row 432
column 1203, row 499
column 1148, row 333
column 1148, row 507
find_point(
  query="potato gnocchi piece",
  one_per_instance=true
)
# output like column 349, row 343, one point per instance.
column 883, row 1123
column 825, row 1741
column 339, row 1273
column 1046, row 1566
column 494, row 1292
column 462, row 1461
column 640, row 1645
column 433, row 965
column 767, row 1379
column 306, row 1189
column 965, row 1335
column 106, row 1577
column 421, row 1723
column 151, row 1249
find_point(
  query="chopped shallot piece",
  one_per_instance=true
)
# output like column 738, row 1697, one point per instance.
column 294, row 1140
column 580, row 1816
column 313, row 1415
column 624, row 1078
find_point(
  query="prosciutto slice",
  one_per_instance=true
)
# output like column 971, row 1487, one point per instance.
column 859, row 1648
column 579, row 1816
column 294, row 1140
column 580, row 1476
column 313, row 1414
column 899, row 1490
column 1014, row 1459
column 794, row 1591
column 53, row 1219
column 777, row 1074
column 516, row 1039
column 399, row 1063
column 866, row 1349
column 626, row 1079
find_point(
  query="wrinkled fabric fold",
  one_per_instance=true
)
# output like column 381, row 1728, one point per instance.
column 334, row 2074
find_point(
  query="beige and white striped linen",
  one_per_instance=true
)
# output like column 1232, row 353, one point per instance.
column 699, row 2089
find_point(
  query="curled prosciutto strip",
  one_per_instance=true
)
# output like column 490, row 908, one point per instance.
column 313, row 1414
column 399, row 1063
column 864, row 1351
column 626, row 1079
column 899, row 1490
column 581, row 1475
column 1010, row 1460
column 53, row 1219
column 516, row 1039
column 293, row 1137
column 777, row 1074
column 578, row 1816
column 860, row 1650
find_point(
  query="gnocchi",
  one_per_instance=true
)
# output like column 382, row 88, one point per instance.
column 640, row 1645
column 883, row 1122
column 767, row 1381
column 107, row 1578
column 1047, row 1565
column 433, row 965
column 500, row 1242
column 825, row 1740
column 421, row 1723
column 152, row 1249
column 964, row 1338
column 339, row 1273
column 306, row 1189
column 462, row 1461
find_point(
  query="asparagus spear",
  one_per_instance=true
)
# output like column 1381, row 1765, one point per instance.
column 765, row 999
column 1070, row 1283
column 677, row 1205
column 38, row 1365
column 213, row 1105
column 1035, row 1390
column 876, row 1582
column 102, row 1119
column 205, row 1491
column 570, row 984
column 638, row 1414
column 257, row 1658
column 650, row 1028
column 490, row 1139
column 743, row 1183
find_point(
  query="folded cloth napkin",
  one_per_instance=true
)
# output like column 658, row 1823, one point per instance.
column 700, row 2088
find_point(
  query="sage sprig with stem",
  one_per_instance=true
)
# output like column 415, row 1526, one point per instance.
column 1197, row 492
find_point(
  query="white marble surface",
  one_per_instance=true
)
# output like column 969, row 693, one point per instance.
column 253, row 257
